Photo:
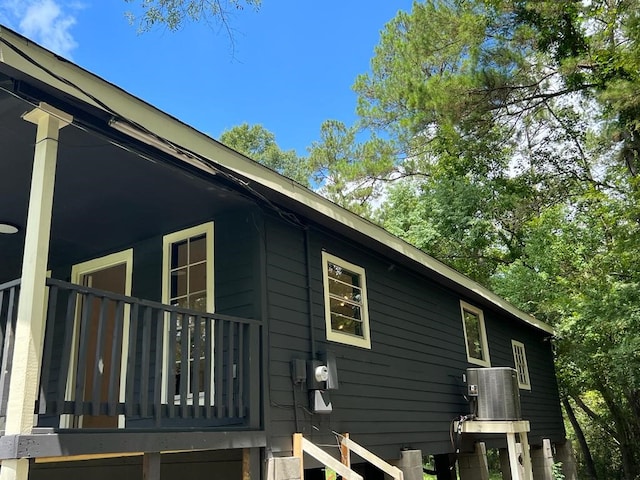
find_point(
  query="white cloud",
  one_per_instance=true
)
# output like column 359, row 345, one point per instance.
column 47, row 22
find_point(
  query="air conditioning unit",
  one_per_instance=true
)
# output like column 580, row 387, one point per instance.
column 494, row 393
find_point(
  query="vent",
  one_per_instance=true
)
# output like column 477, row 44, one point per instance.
column 494, row 393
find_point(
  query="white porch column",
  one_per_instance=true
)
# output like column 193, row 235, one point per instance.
column 27, row 353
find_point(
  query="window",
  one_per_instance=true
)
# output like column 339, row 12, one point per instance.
column 520, row 361
column 475, row 335
column 345, row 302
column 188, row 283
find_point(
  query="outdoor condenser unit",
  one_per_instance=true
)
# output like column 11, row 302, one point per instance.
column 494, row 393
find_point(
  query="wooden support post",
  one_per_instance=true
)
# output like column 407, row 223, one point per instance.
column 151, row 466
column 251, row 464
column 30, row 324
column 297, row 451
column 510, row 428
column 513, row 456
column 526, row 456
column 345, row 454
column 246, row 464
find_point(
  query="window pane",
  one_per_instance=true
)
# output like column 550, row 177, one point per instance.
column 344, row 324
column 346, row 291
column 198, row 278
column 345, row 309
column 178, row 283
column 474, row 335
column 197, row 249
column 182, row 302
column 343, row 275
column 179, row 254
column 198, row 302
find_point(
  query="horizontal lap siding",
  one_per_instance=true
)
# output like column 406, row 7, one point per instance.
column 407, row 389
column 236, row 265
column 402, row 392
column 289, row 335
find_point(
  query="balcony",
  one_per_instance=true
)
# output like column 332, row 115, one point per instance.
column 113, row 363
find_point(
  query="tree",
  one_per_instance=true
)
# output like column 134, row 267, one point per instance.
column 348, row 171
column 260, row 145
column 515, row 125
column 175, row 13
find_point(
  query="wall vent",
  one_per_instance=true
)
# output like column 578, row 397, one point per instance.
column 494, row 393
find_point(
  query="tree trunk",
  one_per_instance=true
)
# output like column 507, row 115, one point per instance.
column 582, row 441
column 629, row 463
column 625, row 425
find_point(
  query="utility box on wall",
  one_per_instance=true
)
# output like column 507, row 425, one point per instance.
column 494, row 393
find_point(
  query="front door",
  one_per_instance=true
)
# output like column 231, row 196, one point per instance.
column 112, row 274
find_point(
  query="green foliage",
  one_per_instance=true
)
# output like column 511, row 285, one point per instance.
column 557, row 471
column 349, row 171
column 175, row 13
column 259, row 144
column 506, row 142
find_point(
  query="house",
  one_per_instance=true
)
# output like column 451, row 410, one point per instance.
column 167, row 304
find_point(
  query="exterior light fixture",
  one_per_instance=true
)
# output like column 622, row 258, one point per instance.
column 8, row 228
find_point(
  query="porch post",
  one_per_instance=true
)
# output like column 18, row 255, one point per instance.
column 27, row 354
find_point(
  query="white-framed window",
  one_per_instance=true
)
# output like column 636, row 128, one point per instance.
column 187, row 274
column 475, row 335
column 520, row 362
column 345, row 302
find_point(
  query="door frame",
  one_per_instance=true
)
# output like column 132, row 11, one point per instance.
column 77, row 271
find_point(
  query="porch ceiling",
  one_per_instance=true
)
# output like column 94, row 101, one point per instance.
column 106, row 198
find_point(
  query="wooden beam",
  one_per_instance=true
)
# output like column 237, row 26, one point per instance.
column 513, row 457
column 151, row 466
column 298, row 452
column 122, row 442
column 30, row 324
column 327, row 460
column 246, row 464
column 93, row 456
column 374, row 460
column 494, row 426
column 526, row 456
column 345, row 454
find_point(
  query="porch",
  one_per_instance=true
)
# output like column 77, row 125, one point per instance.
column 118, row 373
column 119, row 362
column 147, row 339
column 113, row 365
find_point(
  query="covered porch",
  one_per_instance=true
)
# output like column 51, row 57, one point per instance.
column 114, row 366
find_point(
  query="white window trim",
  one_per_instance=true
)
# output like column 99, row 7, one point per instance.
column 167, row 240
column 332, row 335
column 464, row 306
column 514, row 346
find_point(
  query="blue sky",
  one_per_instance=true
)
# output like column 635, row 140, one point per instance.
column 290, row 67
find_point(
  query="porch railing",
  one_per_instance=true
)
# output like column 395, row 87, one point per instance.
column 111, row 360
